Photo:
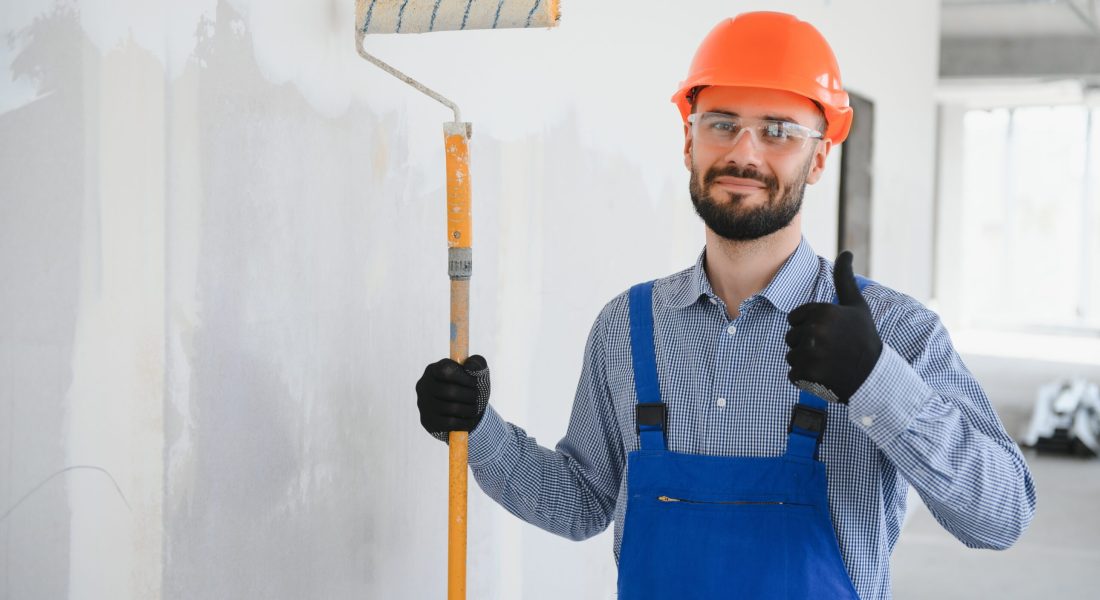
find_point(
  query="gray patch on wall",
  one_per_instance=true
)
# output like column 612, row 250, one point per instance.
column 41, row 207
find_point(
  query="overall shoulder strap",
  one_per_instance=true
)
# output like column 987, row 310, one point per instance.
column 651, row 415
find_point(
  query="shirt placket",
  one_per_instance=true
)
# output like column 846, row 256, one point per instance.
column 720, row 403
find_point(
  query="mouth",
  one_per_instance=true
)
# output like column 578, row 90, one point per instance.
column 738, row 185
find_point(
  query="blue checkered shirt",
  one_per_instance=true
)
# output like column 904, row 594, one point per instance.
column 919, row 419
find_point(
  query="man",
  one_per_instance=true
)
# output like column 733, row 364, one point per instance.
column 748, row 437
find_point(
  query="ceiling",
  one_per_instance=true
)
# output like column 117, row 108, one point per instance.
column 1019, row 18
column 1042, row 47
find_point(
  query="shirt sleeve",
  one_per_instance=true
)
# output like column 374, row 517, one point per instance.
column 572, row 489
column 923, row 408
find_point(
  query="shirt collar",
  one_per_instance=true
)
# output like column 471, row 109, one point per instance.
column 792, row 285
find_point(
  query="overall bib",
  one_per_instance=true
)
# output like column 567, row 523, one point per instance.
column 699, row 526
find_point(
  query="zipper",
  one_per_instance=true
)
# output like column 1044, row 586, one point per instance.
column 742, row 502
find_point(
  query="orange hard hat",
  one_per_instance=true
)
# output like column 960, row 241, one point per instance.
column 775, row 51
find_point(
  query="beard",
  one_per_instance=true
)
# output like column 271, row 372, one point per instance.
column 733, row 219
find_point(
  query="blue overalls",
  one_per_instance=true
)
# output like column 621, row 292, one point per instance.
column 700, row 526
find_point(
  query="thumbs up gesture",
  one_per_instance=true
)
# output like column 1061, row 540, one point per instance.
column 833, row 347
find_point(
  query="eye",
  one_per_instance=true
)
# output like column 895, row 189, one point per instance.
column 723, row 125
column 776, row 130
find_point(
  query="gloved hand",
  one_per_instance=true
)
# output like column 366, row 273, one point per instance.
column 452, row 397
column 834, row 347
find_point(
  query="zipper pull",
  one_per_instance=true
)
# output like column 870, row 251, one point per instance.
column 667, row 499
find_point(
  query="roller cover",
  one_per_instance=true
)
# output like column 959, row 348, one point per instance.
column 421, row 16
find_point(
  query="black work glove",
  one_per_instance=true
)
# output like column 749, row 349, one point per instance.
column 834, row 347
column 452, row 397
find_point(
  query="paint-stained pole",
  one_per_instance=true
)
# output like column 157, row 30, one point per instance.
column 459, row 269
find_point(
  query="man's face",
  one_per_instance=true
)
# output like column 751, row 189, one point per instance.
column 750, row 190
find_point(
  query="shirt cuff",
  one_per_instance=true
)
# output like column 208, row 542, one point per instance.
column 889, row 399
column 486, row 441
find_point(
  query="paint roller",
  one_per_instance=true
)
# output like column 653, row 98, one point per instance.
column 422, row 16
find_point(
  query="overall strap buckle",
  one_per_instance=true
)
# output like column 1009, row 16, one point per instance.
column 806, row 427
column 808, row 419
column 650, row 416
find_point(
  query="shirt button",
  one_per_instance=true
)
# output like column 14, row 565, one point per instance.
column 732, row 329
column 721, row 402
column 867, row 421
column 712, row 301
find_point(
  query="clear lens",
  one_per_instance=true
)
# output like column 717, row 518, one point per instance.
column 780, row 137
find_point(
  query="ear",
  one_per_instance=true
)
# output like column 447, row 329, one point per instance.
column 818, row 161
column 687, row 146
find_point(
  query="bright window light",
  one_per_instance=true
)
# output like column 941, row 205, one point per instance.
column 1031, row 218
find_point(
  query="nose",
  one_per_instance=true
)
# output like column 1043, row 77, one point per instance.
column 744, row 149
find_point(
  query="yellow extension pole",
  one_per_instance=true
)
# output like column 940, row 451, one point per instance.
column 459, row 268
column 420, row 16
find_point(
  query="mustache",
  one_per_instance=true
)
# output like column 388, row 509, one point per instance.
column 771, row 183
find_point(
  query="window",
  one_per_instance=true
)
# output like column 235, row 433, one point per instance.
column 1030, row 230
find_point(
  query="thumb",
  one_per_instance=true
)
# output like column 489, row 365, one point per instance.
column 847, row 290
column 475, row 363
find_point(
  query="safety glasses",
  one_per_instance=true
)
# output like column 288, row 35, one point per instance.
column 776, row 137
